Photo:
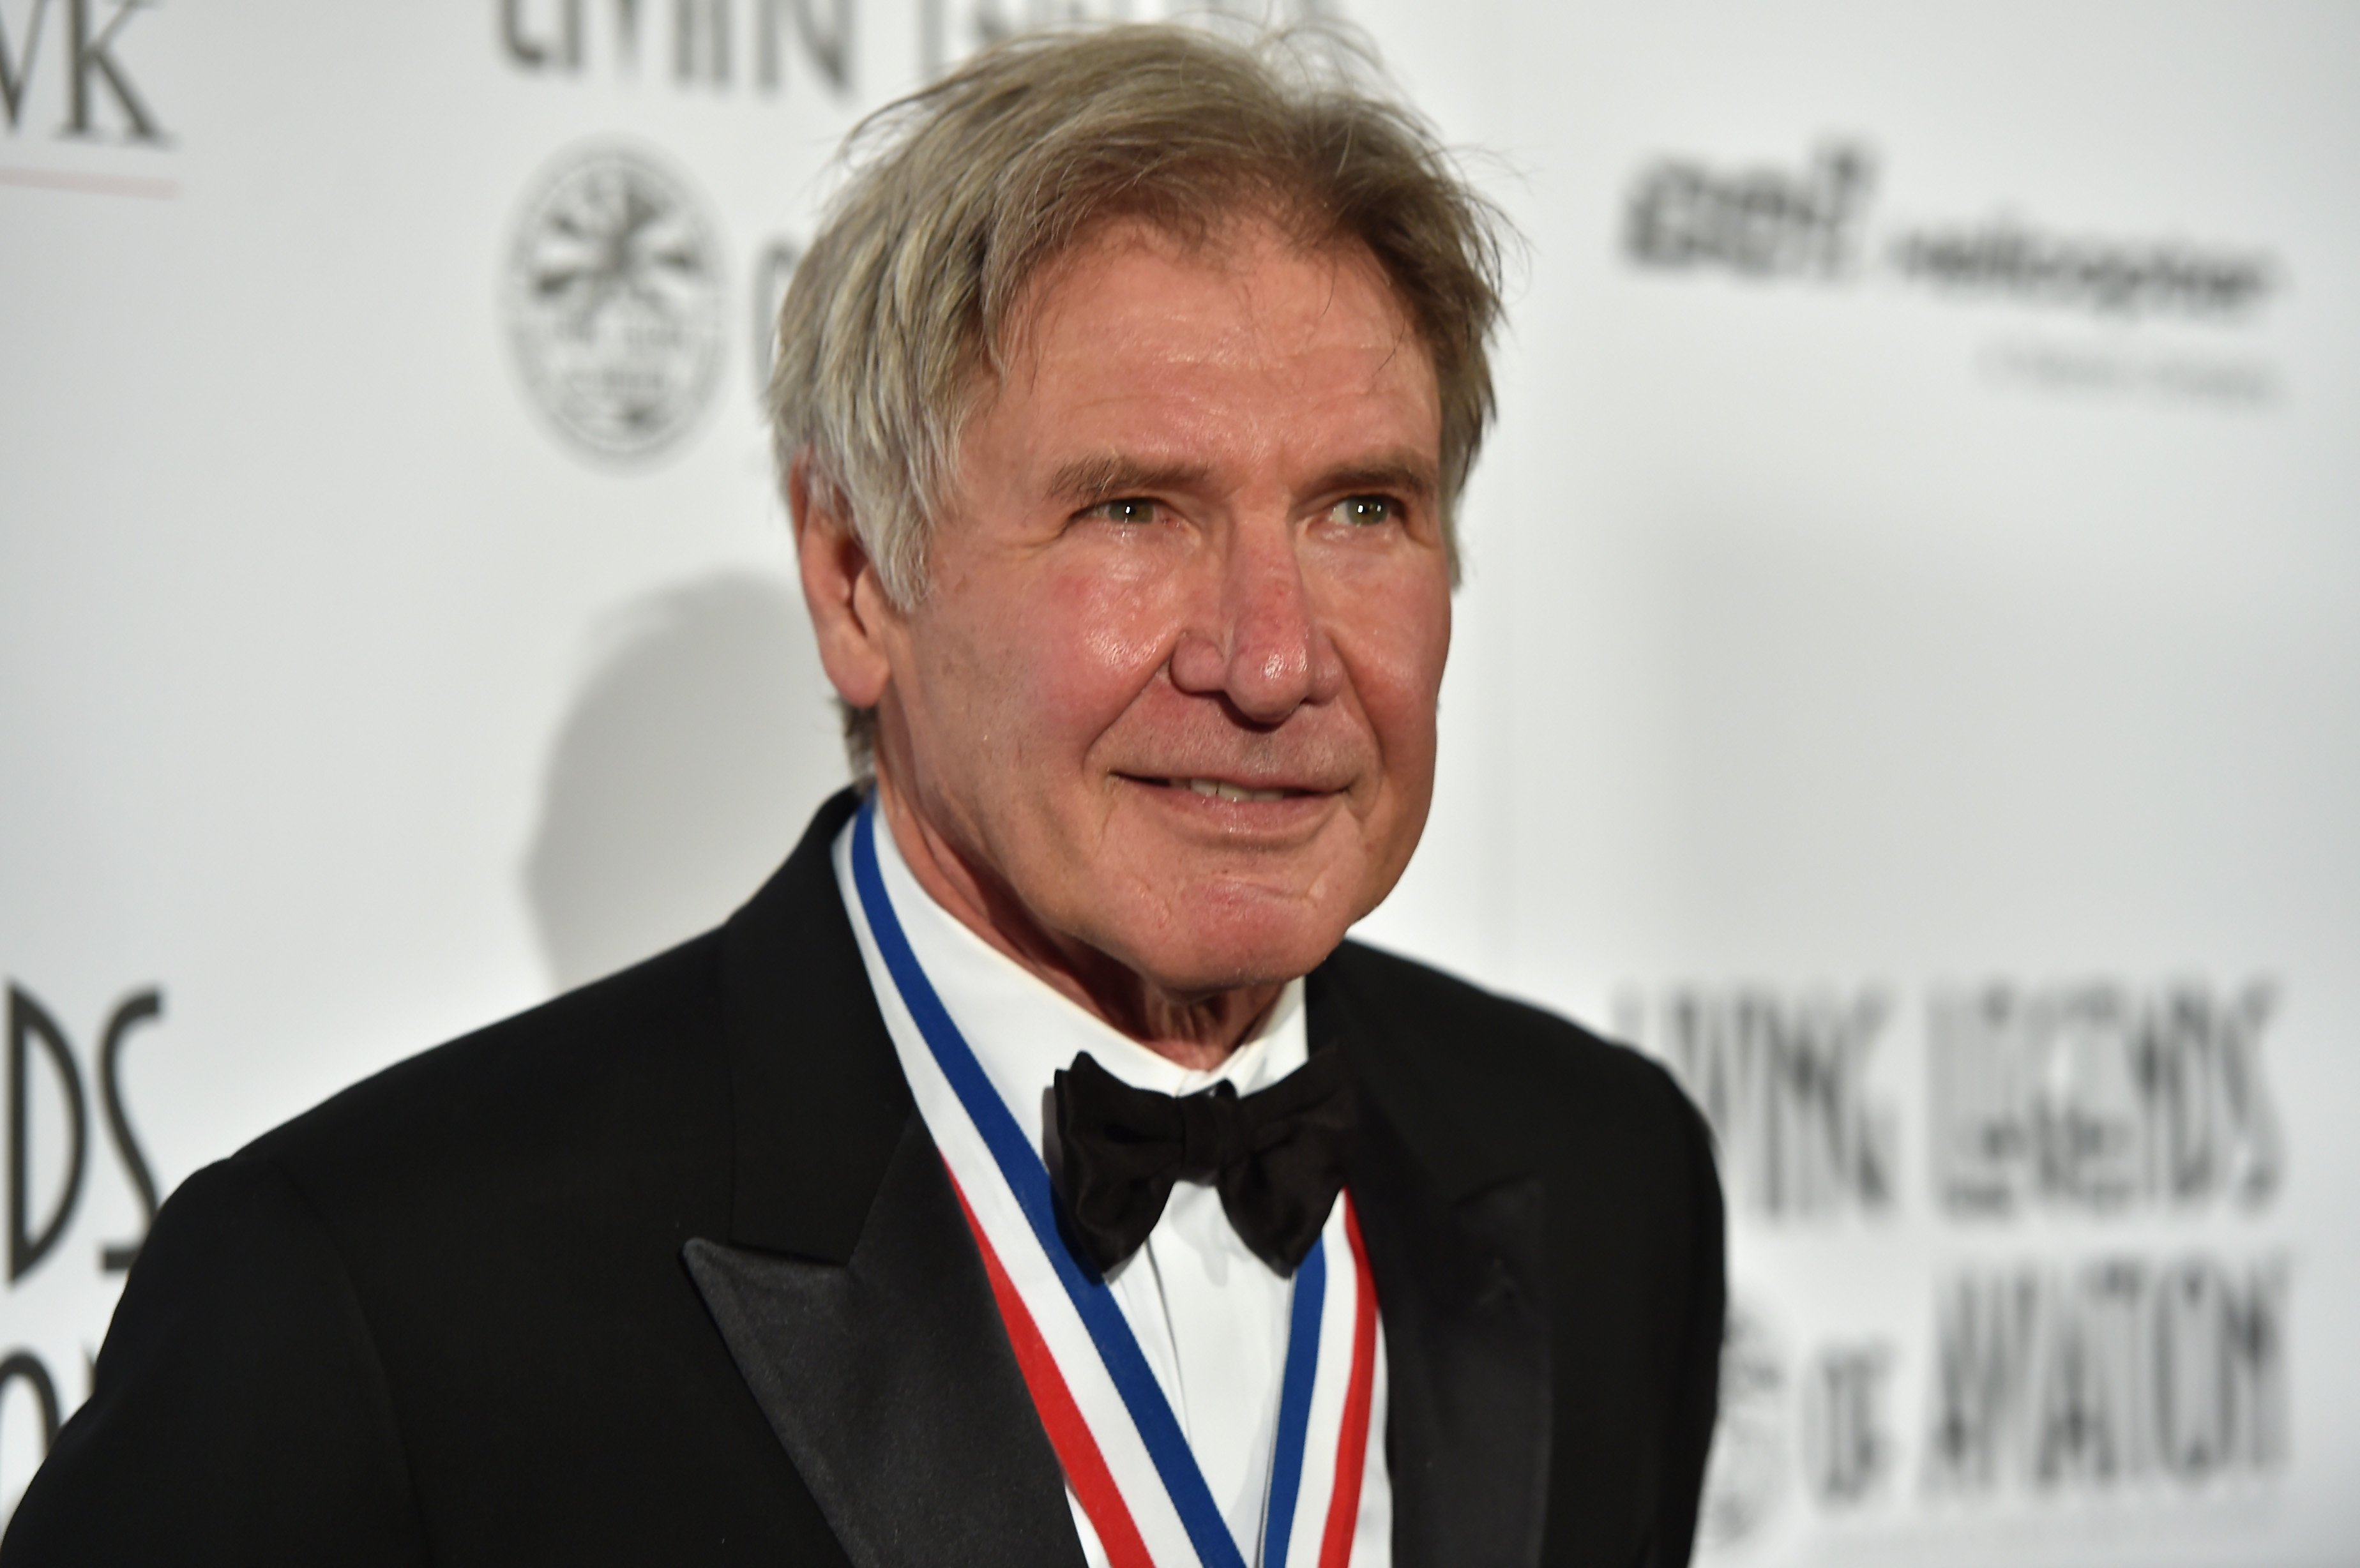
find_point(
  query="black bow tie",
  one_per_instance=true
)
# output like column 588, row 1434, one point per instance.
column 1276, row 1157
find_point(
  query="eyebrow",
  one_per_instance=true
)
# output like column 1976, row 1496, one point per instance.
column 1089, row 480
column 1403, row 474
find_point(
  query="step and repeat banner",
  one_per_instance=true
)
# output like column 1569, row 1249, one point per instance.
column 1907, row 678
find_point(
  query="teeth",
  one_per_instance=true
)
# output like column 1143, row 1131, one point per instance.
column 1213, row 789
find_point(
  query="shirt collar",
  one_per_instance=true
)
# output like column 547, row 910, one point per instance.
column 1023, row 1030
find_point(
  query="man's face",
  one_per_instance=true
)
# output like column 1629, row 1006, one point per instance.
column 1170, row 692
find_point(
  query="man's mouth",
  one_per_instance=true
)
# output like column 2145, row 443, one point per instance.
column 1222, row 790
column 1218, row 789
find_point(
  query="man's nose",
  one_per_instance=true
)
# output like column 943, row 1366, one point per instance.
column 1258, row 640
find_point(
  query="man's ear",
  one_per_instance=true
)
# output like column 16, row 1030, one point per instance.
column 847, row 601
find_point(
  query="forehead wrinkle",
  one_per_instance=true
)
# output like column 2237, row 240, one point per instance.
column 1239, row 253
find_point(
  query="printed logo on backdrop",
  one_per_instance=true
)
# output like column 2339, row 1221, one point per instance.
column 2100, row 1312
column 74, row 100
column 614, row 297
column 1745, row 1480
column 726, row 45
column 65, row 1104
column 948, row 29
column 1812, row 222
column 699, row 45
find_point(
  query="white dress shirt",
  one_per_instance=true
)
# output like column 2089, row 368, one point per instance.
column 1210, row 1317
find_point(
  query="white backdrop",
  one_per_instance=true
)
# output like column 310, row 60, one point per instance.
column 1903, row 678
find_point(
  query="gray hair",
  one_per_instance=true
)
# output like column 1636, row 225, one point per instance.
column 895, row 320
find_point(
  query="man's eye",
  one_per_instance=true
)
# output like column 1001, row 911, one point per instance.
column 1364, row 511
column 1128, row 510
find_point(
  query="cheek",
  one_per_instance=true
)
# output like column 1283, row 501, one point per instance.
column 1054, row 661
column 1395, row 640
column 1115, row 630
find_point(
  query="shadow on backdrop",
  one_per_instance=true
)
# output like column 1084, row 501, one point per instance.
column 693, row 753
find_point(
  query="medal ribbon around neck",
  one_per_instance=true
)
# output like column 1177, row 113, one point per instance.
column 1079, row 1451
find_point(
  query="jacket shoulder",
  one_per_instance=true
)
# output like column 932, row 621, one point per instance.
column 1492, row 1090
column 178, row 1456
column 1518, row 1062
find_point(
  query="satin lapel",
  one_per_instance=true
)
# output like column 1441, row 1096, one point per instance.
column 849, row 1291
column 890, row 1383
column 1459, row 1251
column 819, row 1099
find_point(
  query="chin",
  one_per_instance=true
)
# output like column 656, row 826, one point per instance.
column 1229, row 943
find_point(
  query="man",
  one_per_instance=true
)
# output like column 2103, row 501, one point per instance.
column 1031, row 1174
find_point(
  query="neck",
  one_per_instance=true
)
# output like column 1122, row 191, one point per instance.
column 1195, row 1030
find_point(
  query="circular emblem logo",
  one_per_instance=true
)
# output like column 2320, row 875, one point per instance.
column 613, row 301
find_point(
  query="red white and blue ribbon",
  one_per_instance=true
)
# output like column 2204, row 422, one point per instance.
column 1125, row 1456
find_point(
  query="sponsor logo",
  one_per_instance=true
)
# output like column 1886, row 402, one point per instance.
column 948, row 29
column 1813, row 224
column 2051, row 1379
column 2118, row 1139
column 56, row 1094
column 96, row 92
column 614, row 295
column 1762, row 222
column 2099, row 1097
column 38, row 1045
column 1747, row 1473
column 706, row 45
column 771, row 46
column 71, row 86
column 2093, row 1097
column 1849, row 1447
column 1784, row 1082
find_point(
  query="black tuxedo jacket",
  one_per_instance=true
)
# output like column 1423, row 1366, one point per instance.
column 668, row 1271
